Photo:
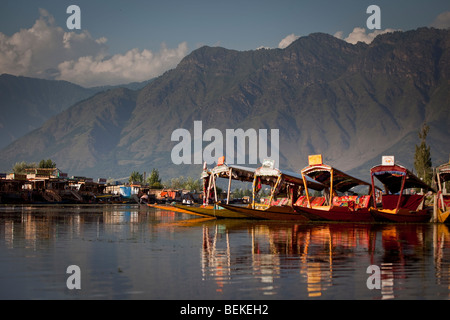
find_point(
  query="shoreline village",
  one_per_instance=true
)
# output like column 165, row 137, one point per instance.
column 52, row 186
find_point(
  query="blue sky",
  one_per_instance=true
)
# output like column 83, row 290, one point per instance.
column 116, row 32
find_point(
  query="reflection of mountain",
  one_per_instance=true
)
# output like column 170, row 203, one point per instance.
column 352, row 103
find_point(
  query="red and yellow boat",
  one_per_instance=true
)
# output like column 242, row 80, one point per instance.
column 397, row 205
column 345, row 199
column 285, row 186
column 442, row 201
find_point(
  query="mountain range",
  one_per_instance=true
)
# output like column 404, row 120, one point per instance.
column 26, row 103
column 350, row 103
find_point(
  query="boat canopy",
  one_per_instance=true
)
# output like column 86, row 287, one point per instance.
column 281, row 180
column 224, row 170
column 237, row 172
column 396, row 178
column 340, row 181
column 271, row 175
column 443, row 172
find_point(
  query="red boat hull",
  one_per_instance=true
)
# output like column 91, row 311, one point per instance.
column 273, row 213
column 339, row 214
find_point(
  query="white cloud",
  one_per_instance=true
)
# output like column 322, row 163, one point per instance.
column 287, row 41
column 47, row 51
column 359, row 35
column 135, row 65
column 442, row 21
column 339, row 34
column 37, row 51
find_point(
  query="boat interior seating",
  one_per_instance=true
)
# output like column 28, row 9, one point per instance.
column 355, row 202
column 278, row 202
column 302, row 201
column 446, row 200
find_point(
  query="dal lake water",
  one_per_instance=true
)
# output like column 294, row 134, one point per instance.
column 137, row 252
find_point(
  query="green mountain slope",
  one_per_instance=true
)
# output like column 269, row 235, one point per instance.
column 26, row 103
column 351, row 103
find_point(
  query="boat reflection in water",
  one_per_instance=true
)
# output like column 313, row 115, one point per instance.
column 133, row 253
column 328, row 258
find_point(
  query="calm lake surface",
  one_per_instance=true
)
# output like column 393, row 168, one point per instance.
column 132, row 252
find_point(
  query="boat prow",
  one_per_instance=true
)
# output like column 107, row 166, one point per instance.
column 169, row 208
column 442, row 215
column 217, row 211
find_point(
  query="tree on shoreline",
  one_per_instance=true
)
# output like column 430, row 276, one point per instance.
column 188, row 183
column 135, row 176
column 47, row 164
column 422, row 157
column 20, row 167
column 154, row 181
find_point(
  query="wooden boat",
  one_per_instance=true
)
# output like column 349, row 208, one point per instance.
column 225, row 171
column 339, row 201
column 209, row 177
column 396, row 206
column 442, row 201
column 282, row 182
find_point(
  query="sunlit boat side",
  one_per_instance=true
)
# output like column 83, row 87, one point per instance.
column 282, row 182
column 225, row 171
column 396, row 206
column 338, row 202
column 442, row 201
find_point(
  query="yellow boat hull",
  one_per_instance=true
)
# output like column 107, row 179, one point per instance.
column 442, row 215
column 213, row 211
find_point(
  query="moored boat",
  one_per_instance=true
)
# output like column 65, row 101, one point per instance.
column 345, row 199
column 442, row 201
column 396, row 205
column 225, row 171
column 286, row 187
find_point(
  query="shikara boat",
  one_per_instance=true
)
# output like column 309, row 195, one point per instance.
column 225, row 171
column 396, row 205
column 345, row 198
column 282, row 182
column 442, row 205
